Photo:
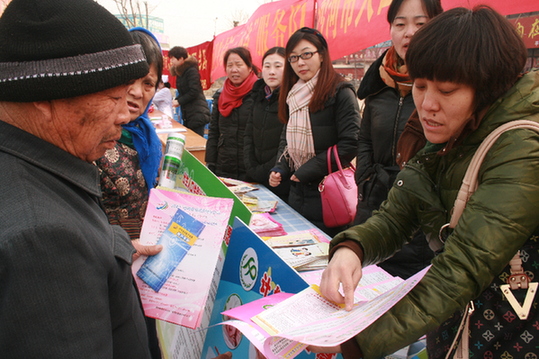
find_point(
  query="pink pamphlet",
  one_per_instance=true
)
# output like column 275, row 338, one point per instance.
column 182, row 298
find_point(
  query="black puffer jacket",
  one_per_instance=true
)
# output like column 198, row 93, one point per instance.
column 195, row 110
column 224, row 148
column 337, row 123
column 384, row 117
column 262, row 137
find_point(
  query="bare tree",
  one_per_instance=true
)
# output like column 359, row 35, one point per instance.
column 134, row 12
column 238, row 17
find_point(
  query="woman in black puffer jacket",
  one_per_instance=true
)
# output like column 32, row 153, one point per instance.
column 386, row 89
column 195, row 110
column 263, row 131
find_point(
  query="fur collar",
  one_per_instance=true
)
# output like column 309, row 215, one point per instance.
column 190, row 61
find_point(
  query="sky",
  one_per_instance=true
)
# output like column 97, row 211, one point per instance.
column 192, row 22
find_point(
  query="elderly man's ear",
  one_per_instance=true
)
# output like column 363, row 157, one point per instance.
column 45, row 107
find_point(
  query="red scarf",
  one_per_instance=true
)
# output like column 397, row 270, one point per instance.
column 232, row 96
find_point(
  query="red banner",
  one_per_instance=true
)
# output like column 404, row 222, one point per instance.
column 348, row 25
column 203, row 54
column 166, row 72
column 270, row 25
column 528, row 28
column 353, row 25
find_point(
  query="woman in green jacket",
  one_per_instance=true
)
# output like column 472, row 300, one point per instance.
column 466, row 66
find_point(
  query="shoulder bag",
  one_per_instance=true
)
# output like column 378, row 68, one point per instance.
column 518, row 278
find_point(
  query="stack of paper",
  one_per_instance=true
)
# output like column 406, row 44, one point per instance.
column 265, row 226
column 236, row 186
column 258, row 206
column 303, row 250
column 302, row 257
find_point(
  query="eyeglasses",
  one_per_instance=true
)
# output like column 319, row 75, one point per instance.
column 305, row 56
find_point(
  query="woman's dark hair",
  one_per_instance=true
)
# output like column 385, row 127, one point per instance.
column 245, row 55
column 151, row 50
column 478, row 48
column 432, row 7
column 274, row 50
column 328, row 78
column 178, row 52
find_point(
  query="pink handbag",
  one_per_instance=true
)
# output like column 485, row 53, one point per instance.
column 338, row 191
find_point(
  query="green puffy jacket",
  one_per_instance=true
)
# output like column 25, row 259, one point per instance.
column 500, row 216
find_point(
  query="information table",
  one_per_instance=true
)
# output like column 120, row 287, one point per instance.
column 194, row 143
column 291, row 220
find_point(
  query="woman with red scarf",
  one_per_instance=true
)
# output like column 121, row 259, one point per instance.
column 231, row 107
column 386, row 89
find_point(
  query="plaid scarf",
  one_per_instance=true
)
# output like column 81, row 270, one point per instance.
column 299, row 135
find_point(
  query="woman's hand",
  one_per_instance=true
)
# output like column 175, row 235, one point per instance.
column 344, row 268
column 274, row 179
column 294, row 178
column 142, row 250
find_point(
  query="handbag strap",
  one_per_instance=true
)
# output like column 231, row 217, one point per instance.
column 337, row 159
column 469, row 183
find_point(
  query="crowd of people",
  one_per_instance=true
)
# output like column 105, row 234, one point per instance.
column 80, row 155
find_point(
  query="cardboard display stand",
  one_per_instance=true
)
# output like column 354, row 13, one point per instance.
column 252, row 270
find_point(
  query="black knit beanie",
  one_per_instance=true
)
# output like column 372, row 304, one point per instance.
column 52, row 49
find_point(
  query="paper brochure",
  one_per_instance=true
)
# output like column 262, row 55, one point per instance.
column 307, row 318
column 183, row 296
column 180, row 235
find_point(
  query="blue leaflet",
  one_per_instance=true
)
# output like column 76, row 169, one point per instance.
column 180, row 235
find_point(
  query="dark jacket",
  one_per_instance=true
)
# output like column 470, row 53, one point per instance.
column 262, row 137
column 66, row 285
column 224, row 148
column 337, row 123
column 195, row 110
column 383, row 120
column 498, row 219
column 384, row 116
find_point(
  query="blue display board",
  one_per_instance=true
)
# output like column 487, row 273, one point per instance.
column 251, row 271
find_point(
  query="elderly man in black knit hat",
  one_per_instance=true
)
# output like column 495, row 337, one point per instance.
column 66, row 288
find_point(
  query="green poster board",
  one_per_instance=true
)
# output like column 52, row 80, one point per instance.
column 196, row 178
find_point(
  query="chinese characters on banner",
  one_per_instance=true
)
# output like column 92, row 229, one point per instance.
column 203, row 54
column 528, row 28
column 348, row 25
column 270, row 25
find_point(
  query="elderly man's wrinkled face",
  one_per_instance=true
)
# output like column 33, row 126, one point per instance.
column 87, row 126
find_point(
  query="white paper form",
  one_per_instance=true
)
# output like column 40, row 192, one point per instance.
column 308, row 319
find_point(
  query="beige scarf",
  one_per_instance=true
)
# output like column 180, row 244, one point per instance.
column 299, row 135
